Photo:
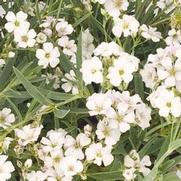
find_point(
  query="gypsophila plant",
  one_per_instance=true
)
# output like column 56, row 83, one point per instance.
column 90, row 90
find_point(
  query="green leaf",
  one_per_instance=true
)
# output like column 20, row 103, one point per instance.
column 139, row 86
column 65, row 63
column 61, row 113
column 6, row 73
column 83, row 18
column 32, row 90
column 170, row 177
column 110, row 175
column 151, row 146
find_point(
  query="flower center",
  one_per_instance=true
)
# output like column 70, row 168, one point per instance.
column 71, row 168
column 99, row 154
column 169, row 104
column 24, row 38
column 57, row 159
column 106, row 131
column 119, row 118
column 118, row 3
column 93, row 71
column 98, row 109
column 121, row 72
column 172, row 72
column 47, row 55
column 16, row 23
column 125, row 26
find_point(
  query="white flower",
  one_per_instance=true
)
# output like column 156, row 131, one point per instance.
column 25, row 39
column 128, row 26
column 83, row 140
column 107, row 49
column 104, row 131
column 28, row 134
column 87, row 44
column 129, row 174
column 69, row 46
column 75, row 149
column 48, row 55
column 174, row 37
column 115, row 7
column 70, row 83
column 92, row 70
column 54, row 140
column 41, row 38
column 6, row 118
column 99, row 154
column 150, row 33
column 6, row 168
column 122, row 69
column 53, row 159
column 36, row 176
column 63, row 28
column 122, row 119
column 166, row 102
column 71, row 166
column 98, row 104
column 16, row 23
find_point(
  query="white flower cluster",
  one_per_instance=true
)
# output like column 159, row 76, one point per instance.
column 18, row 24
column 133, row 164
column 60, row 29
column 166, row 101
column 119, row 111
column 64, row 156
column 162, row 73
column 163, row 68
column 110, row 64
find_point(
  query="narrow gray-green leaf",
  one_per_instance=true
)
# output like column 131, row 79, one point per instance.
column 61, row 113
column 31, row 89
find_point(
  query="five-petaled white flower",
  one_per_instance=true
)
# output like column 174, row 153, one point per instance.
column 48, row 55
column 17, row 23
